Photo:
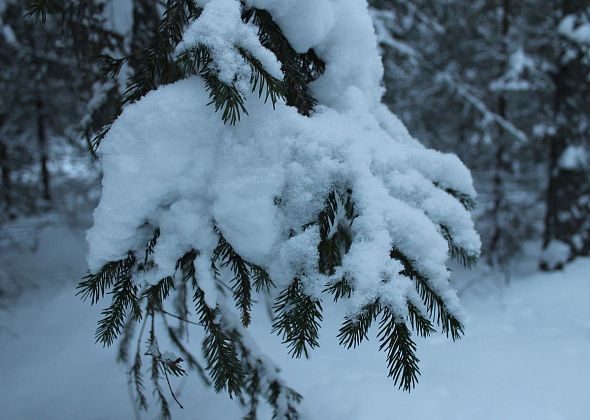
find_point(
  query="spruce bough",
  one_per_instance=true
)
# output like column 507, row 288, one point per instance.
column 410, row 297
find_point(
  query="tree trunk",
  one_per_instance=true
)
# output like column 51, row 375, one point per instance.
column 6, row 180
column 43, row 154
column 567, row 218
column 499, row 204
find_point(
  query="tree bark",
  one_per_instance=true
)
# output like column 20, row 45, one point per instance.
column 499, row 164
column 6, row 179
column 43, row 153
column 567, row 217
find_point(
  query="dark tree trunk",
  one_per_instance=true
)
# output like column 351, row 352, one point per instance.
column 499, row 203
column 43, row 153
column 6, row 179
column 567, row 217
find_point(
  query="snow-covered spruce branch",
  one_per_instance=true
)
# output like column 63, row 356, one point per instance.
column 319, row 194
column 298, row 314
column 299, row 69
column 227, row 96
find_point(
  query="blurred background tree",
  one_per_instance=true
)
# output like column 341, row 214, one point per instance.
column 517, row 75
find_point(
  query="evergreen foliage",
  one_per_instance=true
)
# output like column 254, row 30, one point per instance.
column 473, row 80
column 227, row 97
column 154, row 62
column 298, row 69
column 298, row 318
column 230, row 363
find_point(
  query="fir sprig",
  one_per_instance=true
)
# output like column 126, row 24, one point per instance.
column 419, row 322
column 245, row 274
column 465, row 199
column 224, row 96
column 218, row 346
column 339, row 289
column 137, row 379
column 125, row 340
column 298, row 69
column 262, row 81
column 124, row 298
column 355, row 328
column 298, row 318
column 335, row 239
column 253, row 389
column 284, row 401
column 396, row 339
column 219, row 350
column 225, row 254
column 110, row 66
column 158, row 293
column 458, row 253
column 434, row 303
column 261, row 279
column 261, row 380
column 151, row 245
column 155, row 375
column 39, row 9
column 227, row 97
column 191, row 360
column 155, row 64
column 94, row 286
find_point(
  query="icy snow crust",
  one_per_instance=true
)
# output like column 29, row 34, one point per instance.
column 170, row 162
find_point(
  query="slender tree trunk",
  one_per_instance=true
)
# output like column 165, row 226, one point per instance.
column 42, row 143
column 6, row 179
column 567, row 218
column 556, row 148
column 43, row 153
column 499, row 164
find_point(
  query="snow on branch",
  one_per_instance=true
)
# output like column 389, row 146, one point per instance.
column 333, row 202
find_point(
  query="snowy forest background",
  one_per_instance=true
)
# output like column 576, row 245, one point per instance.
column 503, row 84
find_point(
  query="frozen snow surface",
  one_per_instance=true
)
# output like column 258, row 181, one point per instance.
column 524, row 355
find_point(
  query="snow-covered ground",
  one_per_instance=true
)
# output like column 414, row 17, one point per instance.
column 524, row 356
